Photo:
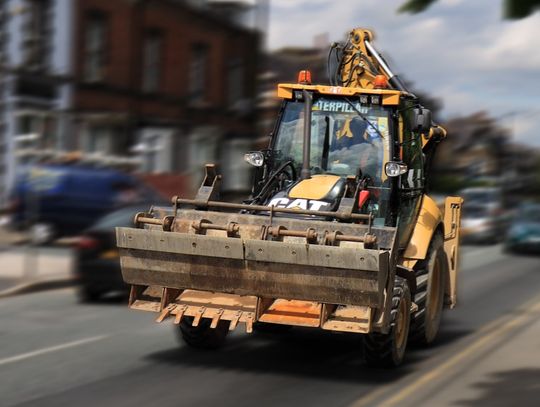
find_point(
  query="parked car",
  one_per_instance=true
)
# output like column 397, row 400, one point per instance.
column 98, row 261
column 484, row 219
column 524, row 232
column 60, row 200
column 490, row 197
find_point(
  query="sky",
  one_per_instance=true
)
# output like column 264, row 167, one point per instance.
column 461, row 51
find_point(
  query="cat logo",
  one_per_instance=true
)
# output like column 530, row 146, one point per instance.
column 304, row 204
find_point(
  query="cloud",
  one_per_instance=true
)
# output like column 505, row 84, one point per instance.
column 515, row 45
column 460, row 51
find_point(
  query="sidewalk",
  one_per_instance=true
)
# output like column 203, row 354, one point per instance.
column 23, row 268
column 9, row 238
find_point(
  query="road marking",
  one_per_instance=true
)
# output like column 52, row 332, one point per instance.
column 530, row 307
column 38, row 352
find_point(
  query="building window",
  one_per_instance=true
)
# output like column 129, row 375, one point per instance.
column 198, row 75
column 34, row 34
column 95, row 47
column 37, row 130
column 235, row 78
column 99, row 140
column 152, row 61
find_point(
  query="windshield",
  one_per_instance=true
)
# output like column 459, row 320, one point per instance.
column 342, row 142
column 118, row 218
column 481, row 196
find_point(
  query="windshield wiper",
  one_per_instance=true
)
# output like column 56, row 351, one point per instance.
column 364, row 118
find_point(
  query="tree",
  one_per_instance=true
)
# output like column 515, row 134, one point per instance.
column 512, row 9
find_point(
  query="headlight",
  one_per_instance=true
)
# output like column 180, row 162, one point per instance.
column 255, row 158
column 395, row 169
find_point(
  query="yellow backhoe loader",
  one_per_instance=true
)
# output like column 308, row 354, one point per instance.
column 339, row 233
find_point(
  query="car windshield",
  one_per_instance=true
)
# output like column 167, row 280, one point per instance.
column 485, row 196
column 475, row 212
column 342, row 142
column 119, row 218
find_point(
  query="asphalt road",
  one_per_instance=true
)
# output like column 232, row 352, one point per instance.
column 55, row 352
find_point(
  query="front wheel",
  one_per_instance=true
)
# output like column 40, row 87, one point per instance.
column 388, row 350
column 429, row 296
column 202, row 336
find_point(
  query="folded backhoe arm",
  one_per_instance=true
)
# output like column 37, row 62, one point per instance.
column 360, row 63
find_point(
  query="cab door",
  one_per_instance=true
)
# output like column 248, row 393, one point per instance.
column 411, row 184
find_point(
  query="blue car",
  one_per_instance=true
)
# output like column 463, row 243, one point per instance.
column 59, row 200
column 524, row 233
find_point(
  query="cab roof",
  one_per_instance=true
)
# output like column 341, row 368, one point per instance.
column 389, row 96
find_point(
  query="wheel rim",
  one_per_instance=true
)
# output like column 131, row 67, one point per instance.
column 401, row 322
column 434, row 291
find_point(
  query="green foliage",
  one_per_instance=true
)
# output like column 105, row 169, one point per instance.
column 415, row 6
column 513, row 9
column 516, row 9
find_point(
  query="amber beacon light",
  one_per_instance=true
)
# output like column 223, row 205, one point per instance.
column 304, row 77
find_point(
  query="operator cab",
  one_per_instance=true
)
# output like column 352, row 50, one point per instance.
column 342, row 142
column 350, row 138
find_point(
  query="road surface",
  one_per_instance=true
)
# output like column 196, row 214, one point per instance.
column 55, row 352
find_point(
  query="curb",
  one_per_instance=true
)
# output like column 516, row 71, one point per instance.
column 38, row 285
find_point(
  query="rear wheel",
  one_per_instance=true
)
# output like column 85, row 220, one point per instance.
column 429, row 295
column 202, row 336
column 388, row 350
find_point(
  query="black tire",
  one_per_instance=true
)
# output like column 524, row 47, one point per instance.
column 202, row 336
column 388, row 350
column 88, row 294
column 431, row 275
column 271, row 328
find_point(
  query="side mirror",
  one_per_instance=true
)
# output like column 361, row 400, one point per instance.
column 255, row 158
column 421, row 120
column 395, row 169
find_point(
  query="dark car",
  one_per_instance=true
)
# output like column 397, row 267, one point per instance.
column 524, row 233
column 98, row 262
column 60, row 200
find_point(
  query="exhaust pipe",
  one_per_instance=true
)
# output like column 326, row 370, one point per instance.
column 306, row 153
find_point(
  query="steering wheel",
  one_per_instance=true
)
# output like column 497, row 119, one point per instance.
column 282, row 170
column 275, row 180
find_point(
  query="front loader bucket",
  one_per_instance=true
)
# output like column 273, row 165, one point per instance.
column 265, row 261
column 327, row 274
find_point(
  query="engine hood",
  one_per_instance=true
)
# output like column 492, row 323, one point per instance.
column 319, row 193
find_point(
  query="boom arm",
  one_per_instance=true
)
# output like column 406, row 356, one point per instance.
column 359, row 63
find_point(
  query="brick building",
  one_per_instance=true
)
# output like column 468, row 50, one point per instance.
column 165, row 81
